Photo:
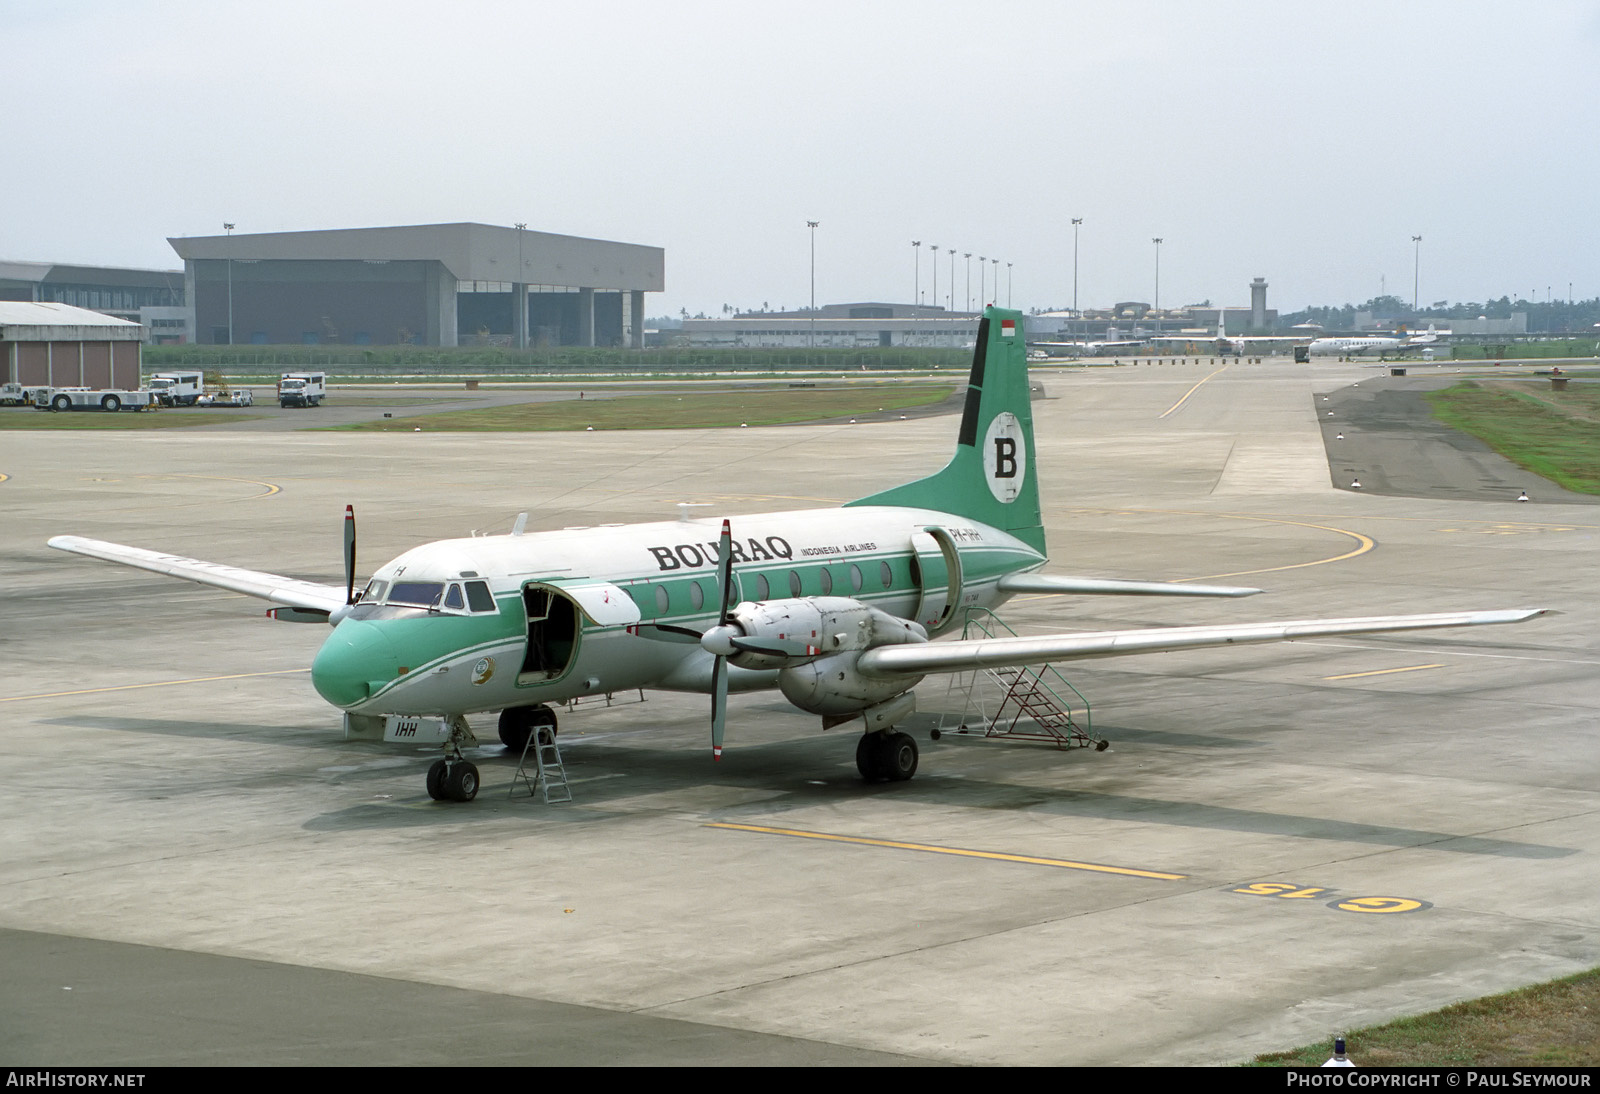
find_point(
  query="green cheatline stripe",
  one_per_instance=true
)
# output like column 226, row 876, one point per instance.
column 1034, row 860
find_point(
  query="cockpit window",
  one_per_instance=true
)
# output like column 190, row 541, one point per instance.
column 479, row 598
column 453, row 599
column 373, row 592
column 422, row 594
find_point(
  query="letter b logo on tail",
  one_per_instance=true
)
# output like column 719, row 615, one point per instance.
column 1005, row 458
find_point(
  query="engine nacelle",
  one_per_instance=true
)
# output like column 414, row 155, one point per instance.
column 836, row 630
column 833, row 685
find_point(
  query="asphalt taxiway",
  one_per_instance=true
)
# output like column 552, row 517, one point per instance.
column 1282, row 840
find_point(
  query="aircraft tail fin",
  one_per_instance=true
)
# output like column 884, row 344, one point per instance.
column 992, row 477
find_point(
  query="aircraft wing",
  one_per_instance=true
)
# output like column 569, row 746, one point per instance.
column 988, row 653
column 1079, row 586
column 288, row 591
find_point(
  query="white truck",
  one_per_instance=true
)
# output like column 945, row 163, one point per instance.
column 177, row 388
column 302, row 388
column 83, row 398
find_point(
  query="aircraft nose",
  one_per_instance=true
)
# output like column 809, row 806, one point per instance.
column 356, row 660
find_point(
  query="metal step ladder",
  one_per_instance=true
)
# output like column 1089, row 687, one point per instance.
column 549, row 774
column 1018, row 703
column 1028, row 701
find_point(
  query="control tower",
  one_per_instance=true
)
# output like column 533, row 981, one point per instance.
column 1258, row 304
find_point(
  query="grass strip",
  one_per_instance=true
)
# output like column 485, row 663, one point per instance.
column 1548, row 1025
column 705, row 410
column 1554, row 436
column 29, row 418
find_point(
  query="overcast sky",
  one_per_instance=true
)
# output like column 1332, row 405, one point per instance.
column 1302, row 142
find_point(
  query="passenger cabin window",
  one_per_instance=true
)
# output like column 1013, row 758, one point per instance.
column 794, row 583
column 697, row 596
column 886, row 575
column 827, row 581
column 763, row 590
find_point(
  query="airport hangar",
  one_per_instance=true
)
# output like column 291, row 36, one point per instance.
column 43, row 343
column 425, row 284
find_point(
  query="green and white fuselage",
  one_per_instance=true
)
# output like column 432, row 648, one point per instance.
column 566, row 603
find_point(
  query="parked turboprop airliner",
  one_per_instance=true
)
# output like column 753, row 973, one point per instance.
column 833, row 607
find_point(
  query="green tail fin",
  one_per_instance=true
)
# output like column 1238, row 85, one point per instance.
column 992, row 476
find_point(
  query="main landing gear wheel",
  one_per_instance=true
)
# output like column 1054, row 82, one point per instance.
column 518, row 723
column 449, row 781
column 886, row 757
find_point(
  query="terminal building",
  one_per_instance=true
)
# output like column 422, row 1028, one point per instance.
column 153, row 298
column 426, row 284
column 839, row 326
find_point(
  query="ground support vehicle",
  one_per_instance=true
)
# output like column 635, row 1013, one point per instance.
column 302, row 389
column 177, row 388
column 242, row 397
column 82, row 398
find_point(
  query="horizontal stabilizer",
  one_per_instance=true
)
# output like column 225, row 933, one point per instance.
column 287, row 591
column 989, row 653
column 1094, row 586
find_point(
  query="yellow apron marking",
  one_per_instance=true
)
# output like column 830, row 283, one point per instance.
column 157, row 684
column 1382, row 672
column 964, row 852
column 1188, row 393
column 271, row 488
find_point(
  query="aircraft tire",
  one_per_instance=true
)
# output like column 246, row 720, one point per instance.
column 436, row 780
column 898, row 757
column 867, row 758
column 517, row 723
column 461, row 783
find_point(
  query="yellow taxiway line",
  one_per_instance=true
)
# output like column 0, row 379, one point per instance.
column 1174, row 407
column 964, row 852
column 1383, row 672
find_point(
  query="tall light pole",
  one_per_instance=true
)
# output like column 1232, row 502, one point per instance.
column 1077, row 222
column 226, row 227
column 995, row 262
column 968, row 255
column 1416, row 269
column 981, row 274
column 935, row 247
column 811, row 334
column 520, row 325
column 952, row 292
column 1008, row 283
column 916, row 271
column 1157, row 241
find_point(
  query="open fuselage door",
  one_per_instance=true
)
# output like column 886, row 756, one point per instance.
column 557, row 613
column 936, row 569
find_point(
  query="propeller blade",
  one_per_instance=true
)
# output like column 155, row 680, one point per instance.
column 725, row 571
column 719, row 705
column 349, row 554
column 664, row 632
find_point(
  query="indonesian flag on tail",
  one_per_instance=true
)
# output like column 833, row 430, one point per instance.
column 1008, row 328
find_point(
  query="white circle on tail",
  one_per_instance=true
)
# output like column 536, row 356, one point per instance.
column 1005, row 457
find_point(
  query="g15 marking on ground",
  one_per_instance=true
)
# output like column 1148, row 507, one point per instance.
column 1370, row 905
